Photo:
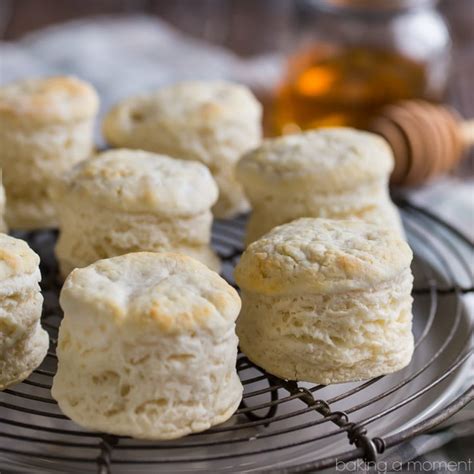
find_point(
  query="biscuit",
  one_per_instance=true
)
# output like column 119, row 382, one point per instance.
column 23, row 343
column 326, row 301
column 46, row 126
column 147, row 347
column 210, row 122
column 331, row 173
column 123, row 201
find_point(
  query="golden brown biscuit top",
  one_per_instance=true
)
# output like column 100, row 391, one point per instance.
column 170, row 291
column 16, row 258
column 322, row 256
column 141, row 182
column 49, row 100
column 328, row 160
column 187, row 105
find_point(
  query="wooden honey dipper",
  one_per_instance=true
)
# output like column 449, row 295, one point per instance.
column 427, row 139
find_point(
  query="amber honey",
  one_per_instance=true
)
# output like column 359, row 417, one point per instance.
column 342, row 86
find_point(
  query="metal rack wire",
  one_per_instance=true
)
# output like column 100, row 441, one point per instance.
column 280, row 425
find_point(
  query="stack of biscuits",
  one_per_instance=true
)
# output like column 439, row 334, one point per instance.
column 148, row 343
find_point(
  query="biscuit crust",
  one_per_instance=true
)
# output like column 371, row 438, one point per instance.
column 323, row 256
column 326, row 160
column 137, row 181
column 57, row 99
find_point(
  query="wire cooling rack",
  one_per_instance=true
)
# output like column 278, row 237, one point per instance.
column 281, row 426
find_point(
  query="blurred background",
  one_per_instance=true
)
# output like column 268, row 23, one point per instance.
column 259, row 41
column 248, row 27
column 311, row 63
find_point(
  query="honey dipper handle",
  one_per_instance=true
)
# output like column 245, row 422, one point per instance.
column 466, row 130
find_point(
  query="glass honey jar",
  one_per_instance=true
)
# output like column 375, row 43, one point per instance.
column 355, row 56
